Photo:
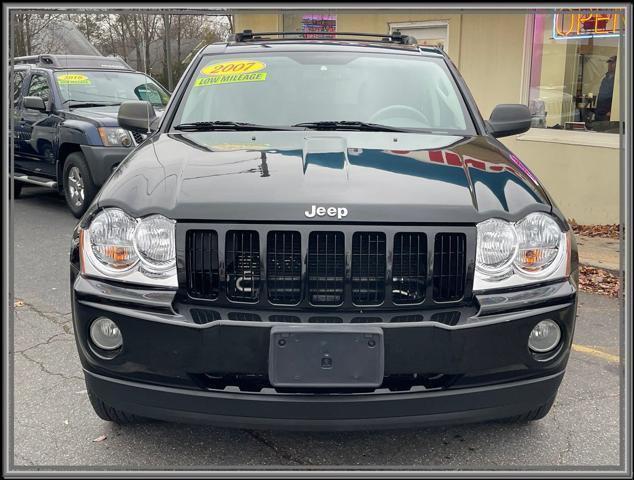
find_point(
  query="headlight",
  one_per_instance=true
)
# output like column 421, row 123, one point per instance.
column 118, row 246
column 497, row 247
column 512, row 254
column 154, row 241
column 115, row 137
column 540, row 240
column 111, row 239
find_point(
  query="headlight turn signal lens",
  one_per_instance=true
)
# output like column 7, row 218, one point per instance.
column 111, row 239
column 540, row 240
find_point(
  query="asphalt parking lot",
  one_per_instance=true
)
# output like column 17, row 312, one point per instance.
column 54, row 425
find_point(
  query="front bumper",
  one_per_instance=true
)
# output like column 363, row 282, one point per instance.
column 484, row 356
column 103, row 160
column 326, row 412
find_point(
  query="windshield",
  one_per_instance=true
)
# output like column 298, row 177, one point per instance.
column 290, row 88
column 109, row 87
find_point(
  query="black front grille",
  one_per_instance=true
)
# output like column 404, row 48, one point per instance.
column 201, row 258
column 285, row 319
column 242, row 259
column 325, row 320
column 368, row 268
column 409, row 268
column 349, row 268
column 284, row 267
column 204, row 316
column 138, row 137
column 449, row 266
column 244, row 317
column 326, row 268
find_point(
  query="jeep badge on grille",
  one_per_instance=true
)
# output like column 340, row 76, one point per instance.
column 316, row 211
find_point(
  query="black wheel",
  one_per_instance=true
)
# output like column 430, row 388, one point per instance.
column 109, row 414
column 79, row 189
column 17, row 188
column 532, row 415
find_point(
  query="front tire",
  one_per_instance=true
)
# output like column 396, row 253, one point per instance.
column 79, row 189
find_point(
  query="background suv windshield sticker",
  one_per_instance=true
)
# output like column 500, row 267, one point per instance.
column 73, row 79
column 235, row 71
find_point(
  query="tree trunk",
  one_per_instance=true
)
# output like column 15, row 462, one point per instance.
column 27, row 34
column 167, row 47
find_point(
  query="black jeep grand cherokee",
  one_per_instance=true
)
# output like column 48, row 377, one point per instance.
column 323, row 234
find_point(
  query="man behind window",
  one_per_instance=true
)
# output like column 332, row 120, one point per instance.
column 604, row 98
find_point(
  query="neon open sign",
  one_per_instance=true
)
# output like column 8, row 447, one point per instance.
column 568, row 23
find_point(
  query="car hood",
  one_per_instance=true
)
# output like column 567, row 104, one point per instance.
column 106, row 116
column 278, row 176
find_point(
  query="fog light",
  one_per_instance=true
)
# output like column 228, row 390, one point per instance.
column 544, row 337
column 105, row 334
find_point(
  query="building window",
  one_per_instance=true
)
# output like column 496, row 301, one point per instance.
column 573, row 76
column 431, row 33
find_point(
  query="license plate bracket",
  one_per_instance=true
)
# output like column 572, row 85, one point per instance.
column 326, row 356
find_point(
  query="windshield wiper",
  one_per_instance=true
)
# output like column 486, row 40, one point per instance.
column 223, row 125
column 353, row 125
column 80, row 104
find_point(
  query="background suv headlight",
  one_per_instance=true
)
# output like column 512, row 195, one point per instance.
column 514, row 254
column 115, row 137
column 123, row 248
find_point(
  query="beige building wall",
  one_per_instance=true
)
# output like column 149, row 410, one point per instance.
column 582, row 180
column 580, row 170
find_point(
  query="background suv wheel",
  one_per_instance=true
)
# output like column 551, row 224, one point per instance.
column 79, row 189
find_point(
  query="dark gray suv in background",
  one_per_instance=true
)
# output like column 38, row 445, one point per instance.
column 65, row 131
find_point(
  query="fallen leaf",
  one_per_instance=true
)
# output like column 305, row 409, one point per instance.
column 19, row 303
column 603, row 231
column 596, row 280
column 100, row 438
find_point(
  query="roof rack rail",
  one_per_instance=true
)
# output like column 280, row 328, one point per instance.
column 394, row 37
column 74, row 61
column 35, row 60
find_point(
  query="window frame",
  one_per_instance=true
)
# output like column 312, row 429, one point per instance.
column 570, row 137
column 45, row 75
column 423, row 24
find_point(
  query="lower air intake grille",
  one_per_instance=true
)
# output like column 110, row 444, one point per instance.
column 326, row 267
column 204, row 316
column 284, row 267
column 368, row 268
column 242, row 257
column 202, row 264
column 409, row 268
column 449, row 266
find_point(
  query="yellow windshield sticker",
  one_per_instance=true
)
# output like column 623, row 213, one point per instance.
column 73, row 79
column 234, row 66
column 235, row 71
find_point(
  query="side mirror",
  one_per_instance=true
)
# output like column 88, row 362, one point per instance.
column 34, row 103
column 509, row 119
column 137, row 116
